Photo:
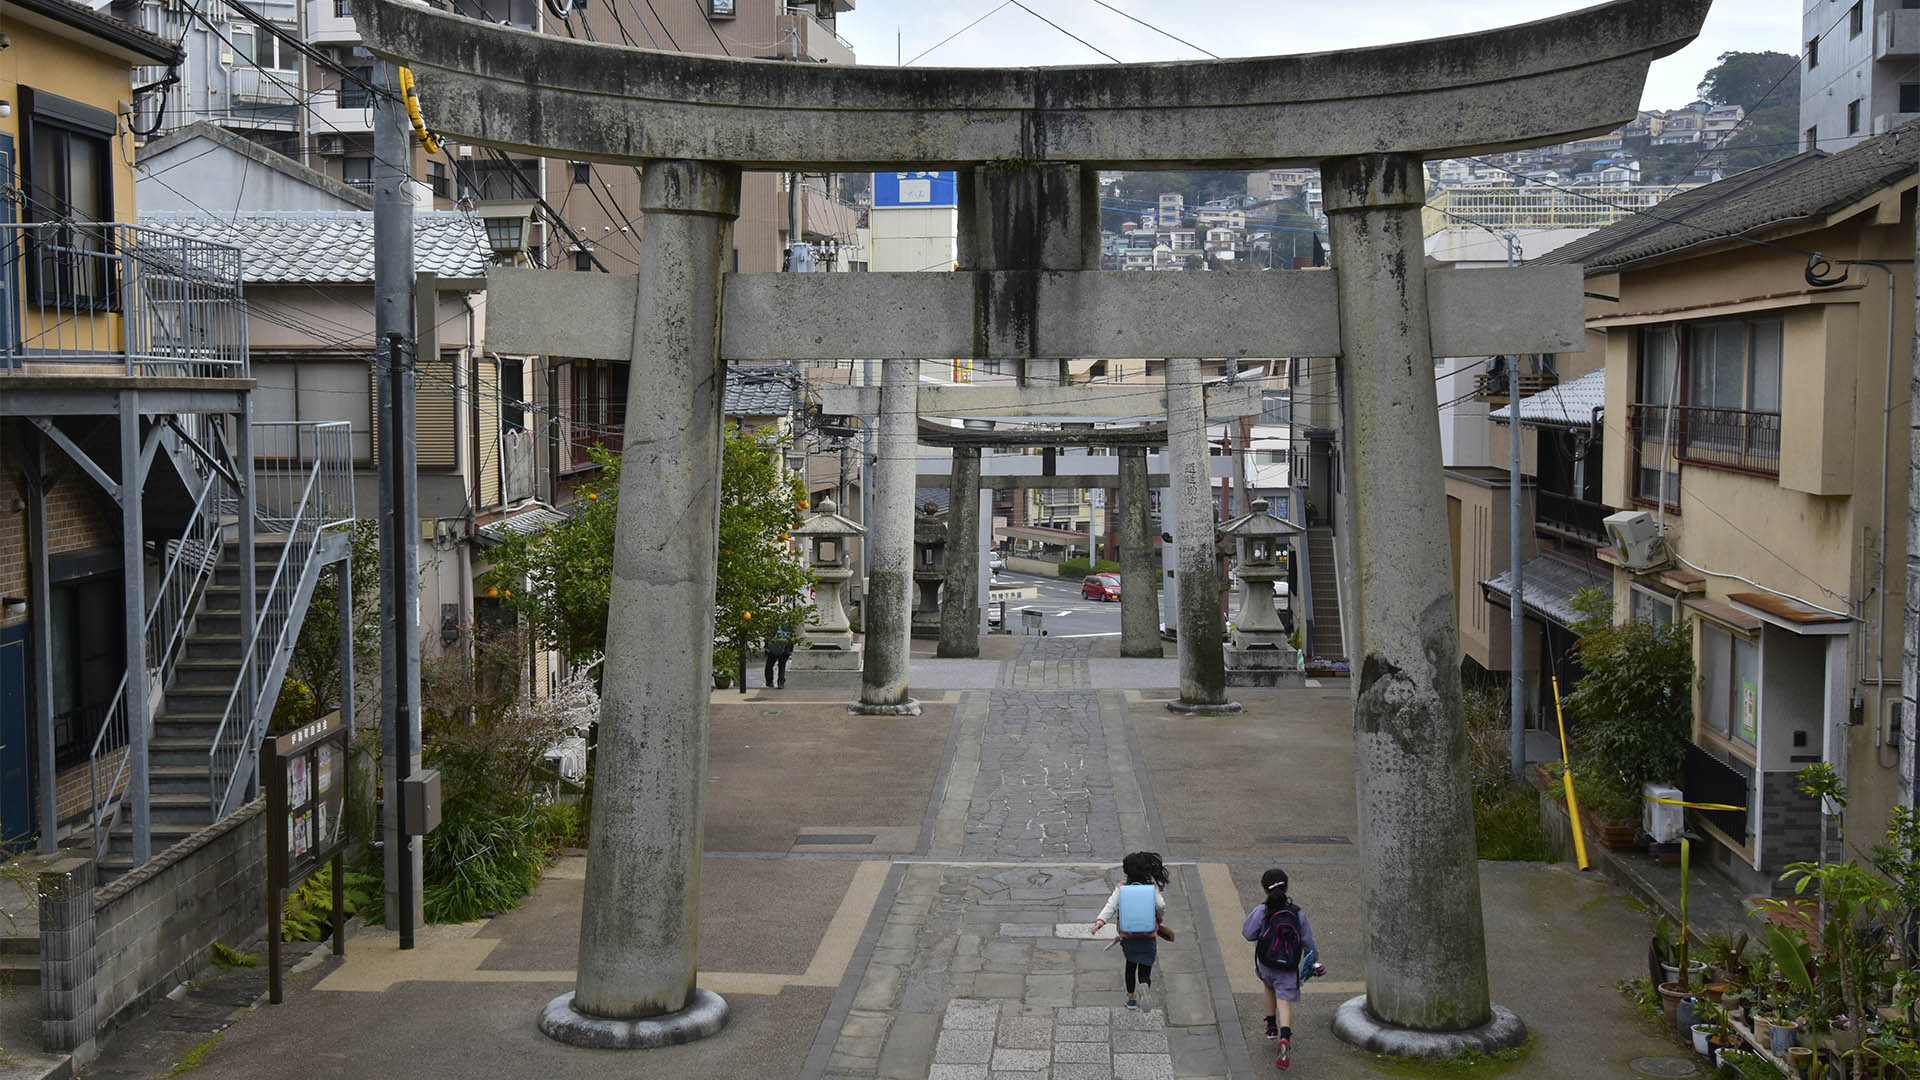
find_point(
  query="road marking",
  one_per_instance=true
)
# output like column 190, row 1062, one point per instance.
column 1224, row 911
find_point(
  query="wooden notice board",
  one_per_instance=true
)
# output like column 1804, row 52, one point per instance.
column 305, row 773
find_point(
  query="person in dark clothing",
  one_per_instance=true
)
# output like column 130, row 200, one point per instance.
column 779, row 649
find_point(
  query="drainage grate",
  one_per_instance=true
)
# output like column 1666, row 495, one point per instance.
column 834, row 838
column 1665, row 1066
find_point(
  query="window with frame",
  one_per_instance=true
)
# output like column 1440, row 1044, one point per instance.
column 357, row 170
column 296, row 387
column 1813, row 53
column 1730, row 682
column 1654, row 480
column 342, row 9
column 264, row 49
column 437, row 179
column 1813, row 138
column 1644, row 605
column 582, row 259
column 353, row 92
column 597, row 413
column 1856, row 20
column 68, row 169
column 1853, row 117
column 1909, row 97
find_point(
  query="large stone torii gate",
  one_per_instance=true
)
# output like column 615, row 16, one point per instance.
column 1030, row 138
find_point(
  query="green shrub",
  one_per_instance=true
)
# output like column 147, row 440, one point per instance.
column 1634, row 705
column 1508, row 829
column 308, row 912
column 1073, row 568
column 480, row 862
column 295, row 707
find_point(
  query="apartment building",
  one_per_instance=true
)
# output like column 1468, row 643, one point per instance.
column 1858, row 71
column 136, row 672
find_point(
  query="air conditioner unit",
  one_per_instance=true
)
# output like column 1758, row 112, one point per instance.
column 1636, row 539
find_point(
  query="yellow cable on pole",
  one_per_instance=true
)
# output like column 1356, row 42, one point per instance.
column 1566, row 777
column 413, row 110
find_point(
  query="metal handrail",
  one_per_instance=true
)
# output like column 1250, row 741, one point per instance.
column 165, row 630
column 243, row 721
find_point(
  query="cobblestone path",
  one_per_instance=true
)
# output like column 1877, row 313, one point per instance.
column 986, row 966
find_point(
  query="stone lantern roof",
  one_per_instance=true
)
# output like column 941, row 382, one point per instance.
column 826, row 522
column 1257, row 522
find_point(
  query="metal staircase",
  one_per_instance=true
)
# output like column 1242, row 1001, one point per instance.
column 216, row 671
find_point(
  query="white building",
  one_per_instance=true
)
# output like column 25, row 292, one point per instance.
column 915, row 222
column 1858, row 75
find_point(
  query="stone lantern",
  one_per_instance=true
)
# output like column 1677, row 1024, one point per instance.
column 929, row 569
column 824, row 537
column 1260, row 653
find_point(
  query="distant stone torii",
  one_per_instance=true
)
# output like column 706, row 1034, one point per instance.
column 1029, row 143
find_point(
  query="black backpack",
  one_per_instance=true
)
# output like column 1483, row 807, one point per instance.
column 1278, row 946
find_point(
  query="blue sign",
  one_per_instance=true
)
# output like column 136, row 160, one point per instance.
column 914, row 189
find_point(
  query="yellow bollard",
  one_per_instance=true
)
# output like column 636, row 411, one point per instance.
column 1566, row 777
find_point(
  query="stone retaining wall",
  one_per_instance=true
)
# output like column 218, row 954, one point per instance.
column 110, row 951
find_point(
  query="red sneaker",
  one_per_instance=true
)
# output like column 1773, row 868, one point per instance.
column 1283, row 1060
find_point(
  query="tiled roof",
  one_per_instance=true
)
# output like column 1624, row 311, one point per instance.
column 334, row 246
column 760, row 391
column 119, row 31
column 1805, row 187
column 1547, row 586
column 1563, row 405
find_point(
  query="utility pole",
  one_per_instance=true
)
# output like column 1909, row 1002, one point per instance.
column 1517, row 616
column 393, row 291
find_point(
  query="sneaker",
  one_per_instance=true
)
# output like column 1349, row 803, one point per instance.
column 1273, row 1029
column 1141, row 995
column 1283, row 1060
column 1133, row 1003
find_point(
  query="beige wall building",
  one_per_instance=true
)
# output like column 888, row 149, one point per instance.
column 1750, row 395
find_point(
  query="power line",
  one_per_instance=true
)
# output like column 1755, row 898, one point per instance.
column 1064, row 30
column 1155, row 29
column 953, row 35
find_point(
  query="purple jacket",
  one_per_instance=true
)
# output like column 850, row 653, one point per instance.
column 1256, row 919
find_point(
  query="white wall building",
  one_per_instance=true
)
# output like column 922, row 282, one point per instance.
column 1858, row 73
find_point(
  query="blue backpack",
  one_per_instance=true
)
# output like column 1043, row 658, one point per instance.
column 1278, row 946
column 1137, row 917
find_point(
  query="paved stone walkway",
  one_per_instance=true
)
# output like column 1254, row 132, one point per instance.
column 986, row 966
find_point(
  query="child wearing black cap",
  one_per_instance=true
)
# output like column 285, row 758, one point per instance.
column 1283, row 957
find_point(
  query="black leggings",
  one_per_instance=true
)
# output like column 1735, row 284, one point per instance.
column 1143, row 971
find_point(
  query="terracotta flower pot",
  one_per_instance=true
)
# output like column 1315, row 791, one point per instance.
column 1670, row 995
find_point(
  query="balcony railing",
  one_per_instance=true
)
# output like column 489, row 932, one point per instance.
column 1492, row 387
column 1569, row 516
column 1722, row 438
column 106, row 297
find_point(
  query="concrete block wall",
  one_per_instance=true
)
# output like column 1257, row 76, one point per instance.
column 147, row 932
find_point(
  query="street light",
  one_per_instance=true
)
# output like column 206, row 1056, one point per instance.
column 506, row 221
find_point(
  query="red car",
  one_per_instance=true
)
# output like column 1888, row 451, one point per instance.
column 1100, row 587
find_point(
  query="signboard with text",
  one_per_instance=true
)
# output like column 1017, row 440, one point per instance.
column 895, row 190
column 304, row 774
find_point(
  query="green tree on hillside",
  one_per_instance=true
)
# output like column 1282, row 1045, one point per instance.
column 1767, row 85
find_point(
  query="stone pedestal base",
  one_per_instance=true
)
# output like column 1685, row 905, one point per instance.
column 704, row 1015
column 908, row 707
column 1356, row 1025
column 1263, row 667
column 926, row 625
column 824, row 669
column 1200, row 708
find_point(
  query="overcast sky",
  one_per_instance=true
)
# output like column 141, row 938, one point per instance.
column 1013, row 38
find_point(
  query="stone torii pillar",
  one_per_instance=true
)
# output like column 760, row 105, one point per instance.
column 1426, row 962
column 886, row 611
column 959, row 606
column 639, row 923
column 1139, row 565
column 1202, row 634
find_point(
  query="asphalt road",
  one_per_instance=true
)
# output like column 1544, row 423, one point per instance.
column 1067, row 615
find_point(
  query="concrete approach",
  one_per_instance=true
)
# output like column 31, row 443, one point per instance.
column 1030, row 143
column 888, row 897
